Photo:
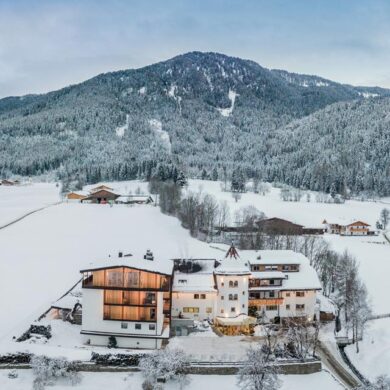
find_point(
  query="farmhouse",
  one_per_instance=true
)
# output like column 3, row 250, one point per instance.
column 101, row 196
column 127, row 298
column 356, row 228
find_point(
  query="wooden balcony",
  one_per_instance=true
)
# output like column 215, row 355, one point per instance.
column 265, row 302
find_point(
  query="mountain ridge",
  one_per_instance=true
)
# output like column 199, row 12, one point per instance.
column 218, row 113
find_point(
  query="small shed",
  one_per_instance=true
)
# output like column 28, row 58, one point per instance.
column 134, row 199
column 73, row 195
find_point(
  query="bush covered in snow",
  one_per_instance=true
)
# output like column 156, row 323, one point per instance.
column 48, row 370
column 36, row 330
column 116, row 359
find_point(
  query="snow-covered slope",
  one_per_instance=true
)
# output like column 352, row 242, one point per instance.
column 15, row 201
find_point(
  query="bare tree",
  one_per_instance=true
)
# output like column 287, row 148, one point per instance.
column 166, row 365
column 259, row 371
column 384, row 217
column 302, row 337
column 223, row 214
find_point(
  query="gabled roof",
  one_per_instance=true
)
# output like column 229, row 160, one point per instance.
column 101, row 187
column 358, row 223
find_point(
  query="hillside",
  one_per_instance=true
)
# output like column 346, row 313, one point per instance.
column 199, row 111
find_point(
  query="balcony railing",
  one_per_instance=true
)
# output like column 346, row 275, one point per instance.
column 265, row 301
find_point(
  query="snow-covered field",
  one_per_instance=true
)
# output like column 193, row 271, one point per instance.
column 374, row 356
column 15, row 201
column 133, row 381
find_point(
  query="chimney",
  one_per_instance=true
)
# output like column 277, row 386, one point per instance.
column 120, row 254
column 149, row 255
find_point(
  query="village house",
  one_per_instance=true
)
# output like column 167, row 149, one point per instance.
column 356, row 228
column 129, row 298
column 282, row 285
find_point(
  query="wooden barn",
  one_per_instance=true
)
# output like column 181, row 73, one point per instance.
column 101, row 197
column 279, row 226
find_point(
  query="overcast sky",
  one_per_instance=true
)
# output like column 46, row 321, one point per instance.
column 46, row 45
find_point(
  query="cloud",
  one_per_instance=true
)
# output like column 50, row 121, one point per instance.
column 46, row 45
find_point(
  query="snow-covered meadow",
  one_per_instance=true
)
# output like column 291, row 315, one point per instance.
column 16, row 201
column 133, row 381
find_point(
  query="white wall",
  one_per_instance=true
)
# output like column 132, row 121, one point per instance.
column 186, row 299
column 92, row 320
column 309, row 300
column 225, row 305
column 125, row 342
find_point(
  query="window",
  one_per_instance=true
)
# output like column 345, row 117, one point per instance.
column 202, row 296
column 138, row 326
column 243, row 293
column 243, row 306
column 272, row 294
column 287, row 307
column 300, row 294
column 272, row 281
column 222, row 311
column 230, row 297
column 271, row 308
column 233, row 309
column 236, row 283
column 288, row 294
column 209, row 310
column 231, row 284
column 124, row 325
column 152, row 326
column 191, row 309
column 255, row 268
column 300, row 307
column 222, row 284
column 222, row 298
column 182, row 281
column 235, row 297
column 196, row 296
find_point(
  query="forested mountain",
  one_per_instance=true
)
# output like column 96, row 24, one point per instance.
column 204, row 113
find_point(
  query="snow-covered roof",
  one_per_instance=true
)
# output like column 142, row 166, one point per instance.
column 193, row 282
column 80, row 192
column 326, row 305
column 272, row 257
column 304, row 279
column 232, row 266
column 136, row 260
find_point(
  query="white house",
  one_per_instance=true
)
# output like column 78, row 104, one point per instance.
column 282, row 284
column 194, row 290
column 129, row 298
